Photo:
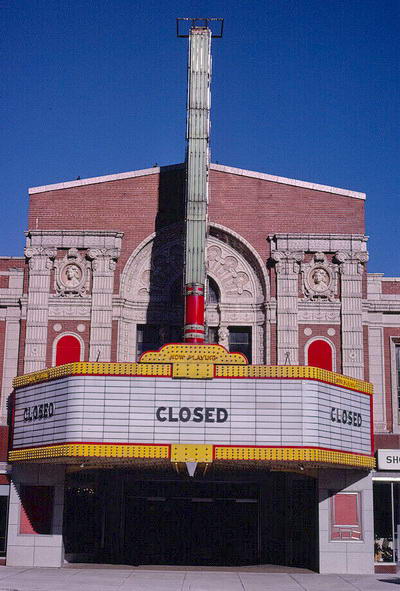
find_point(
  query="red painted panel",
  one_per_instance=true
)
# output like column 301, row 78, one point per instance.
column 68, row 350
column 346, row 509
column 320, row 355
column 36, row 509
column 345, row 517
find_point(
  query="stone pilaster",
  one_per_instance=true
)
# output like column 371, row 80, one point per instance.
column 287, row 294
column 40, row 264
column 103, row 266
column 351, row 267
column 10, row 363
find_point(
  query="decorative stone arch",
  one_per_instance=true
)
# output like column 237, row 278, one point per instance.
column 59, row 338
column 156, row 265
column 315, row 339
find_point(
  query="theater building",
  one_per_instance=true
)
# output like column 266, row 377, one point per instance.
column 141, row 432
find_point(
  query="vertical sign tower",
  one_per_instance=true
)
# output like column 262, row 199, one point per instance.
column 197, row 167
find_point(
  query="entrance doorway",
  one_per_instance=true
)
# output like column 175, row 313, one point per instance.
column 194, row 524
column 229, row 519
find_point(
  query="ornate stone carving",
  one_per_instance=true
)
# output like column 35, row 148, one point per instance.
column 223, row 336
column 351, row 260
column 319, row 278
column 72, row 275
column 153, row 271
column 108, row 256
column 68, row 311
column 287, row 262
column 40, row 258
column 321, row 315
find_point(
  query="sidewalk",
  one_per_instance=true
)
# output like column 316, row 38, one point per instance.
column 134, row 579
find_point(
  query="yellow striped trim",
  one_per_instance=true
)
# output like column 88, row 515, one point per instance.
column 194, row 370
column 192, row 453
column 88, row 368
column 292, row 371
column 287, row 454
column 90, row 450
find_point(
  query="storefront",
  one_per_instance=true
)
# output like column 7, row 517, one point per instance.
column 386, row 487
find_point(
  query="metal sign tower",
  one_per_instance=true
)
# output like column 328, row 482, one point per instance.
column 200, row 33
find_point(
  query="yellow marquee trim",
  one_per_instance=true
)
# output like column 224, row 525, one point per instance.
column 90, row 368
column 91, row 450
column 194, row 370
column 201, row 354
column 292, row 372
column 192, row 453
column 293, row 454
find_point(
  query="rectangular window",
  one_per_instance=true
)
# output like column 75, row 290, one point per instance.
column 346, row 516
column 240, row 340
column 147, row 338
column 36, row 513
column 212, row 335
column 150, row 337
column 3, row 523
column 385, row 521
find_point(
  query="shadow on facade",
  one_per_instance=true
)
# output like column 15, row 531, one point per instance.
column 165, row 311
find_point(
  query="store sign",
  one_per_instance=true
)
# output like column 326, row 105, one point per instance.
column 224, row 411
column 389, row 459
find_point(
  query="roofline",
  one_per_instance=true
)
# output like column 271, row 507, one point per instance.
column 217, row 167
column 286, row 181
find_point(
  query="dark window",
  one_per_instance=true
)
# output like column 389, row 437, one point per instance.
column 3, row 524
column 212, row 335
column 213, row 295
column 150, row 337
column 240, row 340
column 384, row 520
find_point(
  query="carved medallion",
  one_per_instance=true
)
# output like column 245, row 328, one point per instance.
column 319, row 278
column 72, row 275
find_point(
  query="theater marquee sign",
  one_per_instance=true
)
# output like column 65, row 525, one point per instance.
column 241, row 416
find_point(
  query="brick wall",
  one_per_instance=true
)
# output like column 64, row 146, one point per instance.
column 139, row 206
column 391, row 287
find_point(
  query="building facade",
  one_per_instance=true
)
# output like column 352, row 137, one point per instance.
column 125, row 438
column 101, row 282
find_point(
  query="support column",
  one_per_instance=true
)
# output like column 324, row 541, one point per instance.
column 287, row 295
column 354, row 556
column 36, row 549
column 103, row 266
column 40, row 264
column 10, row 363
column 377, row 370
column 351, row 267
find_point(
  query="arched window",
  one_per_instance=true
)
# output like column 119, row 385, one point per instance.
column 213, row 295
column 68, row 349
column 319, row 354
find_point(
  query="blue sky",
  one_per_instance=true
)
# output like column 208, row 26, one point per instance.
column 307, row 89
